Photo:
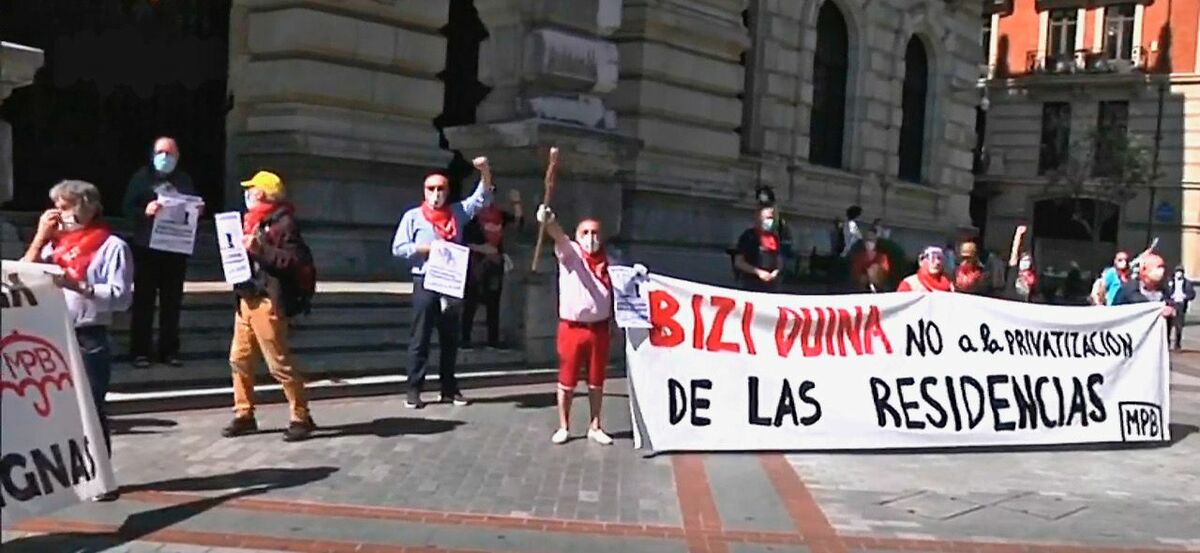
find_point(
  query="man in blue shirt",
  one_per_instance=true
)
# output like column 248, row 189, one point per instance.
column 435, row 219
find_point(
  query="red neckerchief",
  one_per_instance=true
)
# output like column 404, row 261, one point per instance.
column 1123, row 274
column 598, row 264
column 968, row 276
column 74, row 250
column 1029, row 277
column 442, row 220
column 256, row 214
column 491, row 220
column 932, row 283
column 768, row 241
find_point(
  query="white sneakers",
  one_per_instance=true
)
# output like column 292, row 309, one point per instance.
column 596, row 435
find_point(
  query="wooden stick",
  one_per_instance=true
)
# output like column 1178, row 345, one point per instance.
column 551, row 178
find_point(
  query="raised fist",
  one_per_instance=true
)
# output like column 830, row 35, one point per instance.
column 553, row 154
column 480, row 163
column 545, row 215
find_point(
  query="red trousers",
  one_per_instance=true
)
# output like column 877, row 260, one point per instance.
column 580, row 343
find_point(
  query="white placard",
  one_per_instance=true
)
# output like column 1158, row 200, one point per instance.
column 175, row 223
column 234, row 259
column 724, row 369
column 629, row 303
column 446, row 268
column 52, row 443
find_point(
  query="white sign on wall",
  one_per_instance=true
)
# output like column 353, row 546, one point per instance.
column 723, row 369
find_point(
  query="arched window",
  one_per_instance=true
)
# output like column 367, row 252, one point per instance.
column 912, row 126
column 830, row 67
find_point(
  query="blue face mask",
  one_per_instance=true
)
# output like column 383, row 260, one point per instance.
column 164, row 163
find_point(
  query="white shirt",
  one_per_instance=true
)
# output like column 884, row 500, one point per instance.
column 851, row 234
column 111, row 275
column 1178, row 296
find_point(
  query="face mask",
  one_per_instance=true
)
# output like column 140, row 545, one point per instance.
column 164, row 163
column 590, row 243
column 768, row 224
column 251, row 199
column 1122, row 264
column 1156, row 274
column 1025, row 264
column 70, row 221
column 1179, row 275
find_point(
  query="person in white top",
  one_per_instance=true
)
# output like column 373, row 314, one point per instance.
column 851, row 232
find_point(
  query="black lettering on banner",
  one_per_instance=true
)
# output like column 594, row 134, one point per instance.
column 1095, row 381
column 878, row 387
column 787, row 405
column 905, row 406
column 678, row 403
column 998, row 403
column 1078, row 403
column 966, row 345
column 1037, row 389
column 973, row 419
column 79, row 471
column 87, row 450
column 1026, row 403
column 926, row 337
column 755, row 419
column 937, row 406
column 989, row 344
column 806, row 387
column 1062, row 401
column 11, row 487
column 1141, row 421
column 699, row 403
column 47, row 468
column 953, row 403
column 15, row 293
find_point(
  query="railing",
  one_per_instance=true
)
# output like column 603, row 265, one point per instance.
column 1083, row 61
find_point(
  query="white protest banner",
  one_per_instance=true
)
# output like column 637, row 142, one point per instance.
column 52, row 452
column 446, row 268
column 175, row 223
column 728, row 370
column 630, row 309
column 234, row 259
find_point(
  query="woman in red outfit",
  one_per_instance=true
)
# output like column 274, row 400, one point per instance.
column 929, row 276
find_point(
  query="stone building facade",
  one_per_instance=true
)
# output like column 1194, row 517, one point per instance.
column 669, row 113
column 1063, row 69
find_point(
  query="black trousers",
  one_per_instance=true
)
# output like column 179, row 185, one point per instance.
column 1177, row 323
column 485, row 290
column 428, row 315
column 158, row 279
column 96, row 350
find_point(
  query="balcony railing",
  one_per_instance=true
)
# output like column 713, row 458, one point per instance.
column 1083, row 61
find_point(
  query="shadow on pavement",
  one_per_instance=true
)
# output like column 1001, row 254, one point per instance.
column 388, row 428
column 138, row 525
column 139, row 425
column 536, row 400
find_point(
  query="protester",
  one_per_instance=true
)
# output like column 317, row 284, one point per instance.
column 1114, row 277
column 1181, row 292
column 436, row 219
column 276, row 251
column 758, row 259
column 850, row 230
column 870, row 266
column 97, row 280
column 1021, row 277
column 485, row 237
column 881, row 231
column 160, row 275
column 585, row 316
column 969, row 277
column 1149, row 286
column 930, row 275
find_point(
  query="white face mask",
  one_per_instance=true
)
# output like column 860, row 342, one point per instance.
column 70, row 221
column 1025, row 264
column 768, row 224
column 1156, row 274
column 590, row 243
column 250, row 198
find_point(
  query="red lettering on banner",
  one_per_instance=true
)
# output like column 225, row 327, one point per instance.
column 873, row 330
column 665, row 332
column 850, row 328
column 31, row 367
column 783, row 344
column 697, row 322
column 813, row 348
column 714, row 343
column 747, row 321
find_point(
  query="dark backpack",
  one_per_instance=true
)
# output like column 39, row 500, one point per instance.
column 299, row 281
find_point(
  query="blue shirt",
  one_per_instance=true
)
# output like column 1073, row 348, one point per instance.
column 1112, row 284
column 415, row 230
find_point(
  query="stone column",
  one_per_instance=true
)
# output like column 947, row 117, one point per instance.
column 551, row 68
column 18, row 64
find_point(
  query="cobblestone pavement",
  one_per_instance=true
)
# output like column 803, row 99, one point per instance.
column 378, row 478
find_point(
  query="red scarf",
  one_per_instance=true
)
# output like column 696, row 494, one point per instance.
column 74, row 250
column 598, row 264
column 442, row 220
column 968, row 277
column 256, row 214
column 768, row 241
column 937, row 283
column 1029, row 277
column 491, row 220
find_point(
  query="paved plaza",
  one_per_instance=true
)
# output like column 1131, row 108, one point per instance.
column 378, row 478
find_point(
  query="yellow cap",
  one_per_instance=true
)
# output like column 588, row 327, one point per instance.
column 268, row 182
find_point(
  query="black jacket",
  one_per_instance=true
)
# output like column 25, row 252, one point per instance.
column 1189, row 293
column 1131, row 292
column 143, row 188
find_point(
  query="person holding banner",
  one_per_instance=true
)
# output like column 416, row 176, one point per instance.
column 1021, row 284
column 436, row 219
column 930, row 275
column 1114, row 277
column 759, row 258
column 1150, row 286
column 273, row 243
column 97, row 279
column 160, row 274
column 969, row 276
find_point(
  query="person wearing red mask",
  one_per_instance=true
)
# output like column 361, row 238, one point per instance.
column 1021, row 281
column 272, row 240
column 97, row 280
column 436, row 219
column 485, row 282
column 930, row 276
column 758, row 259
column 585, row 317
column 1149, row 286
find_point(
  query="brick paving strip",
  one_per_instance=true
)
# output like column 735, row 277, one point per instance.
column 702, row 530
